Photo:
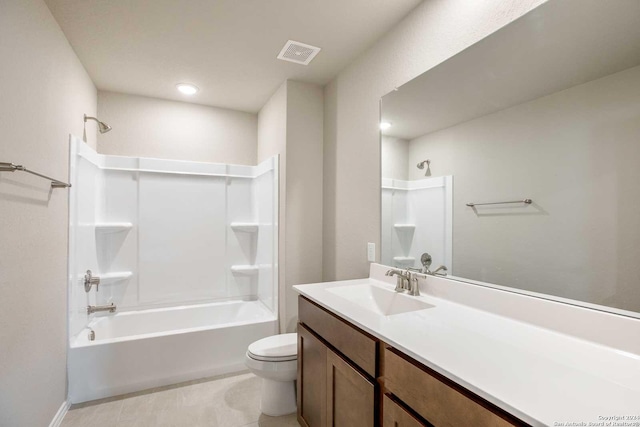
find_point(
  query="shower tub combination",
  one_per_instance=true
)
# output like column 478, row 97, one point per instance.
column 186, row 252
column 138, row 350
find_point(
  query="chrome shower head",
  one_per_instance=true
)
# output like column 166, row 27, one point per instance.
column 102, row 127
column 422, row 163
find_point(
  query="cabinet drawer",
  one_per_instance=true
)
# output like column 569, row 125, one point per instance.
column 394, row 415
column 354, row 344
column 437, row 402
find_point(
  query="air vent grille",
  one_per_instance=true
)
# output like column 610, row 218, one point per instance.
column 297, row 52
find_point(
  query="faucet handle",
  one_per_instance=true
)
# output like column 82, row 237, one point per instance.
column 426, row 261
column 90, row 280
column 414, row 287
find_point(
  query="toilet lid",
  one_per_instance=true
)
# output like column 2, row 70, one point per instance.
column 275, row 348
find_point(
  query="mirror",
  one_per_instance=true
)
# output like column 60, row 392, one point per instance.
column 546, row 110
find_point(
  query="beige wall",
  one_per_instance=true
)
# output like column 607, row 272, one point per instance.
column 431, row 33
column 152, row 127
column 304, row 192
column 394, row 154
column 272, row 141
column 291, row 125
column 44, row 93
column 272, row 126
column 575, row 153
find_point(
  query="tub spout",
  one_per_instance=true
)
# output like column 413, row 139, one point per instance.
column 95, row 308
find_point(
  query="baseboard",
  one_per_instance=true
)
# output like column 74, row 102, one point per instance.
column 57, row 419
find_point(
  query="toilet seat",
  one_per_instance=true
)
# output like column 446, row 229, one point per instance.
column 276, row 348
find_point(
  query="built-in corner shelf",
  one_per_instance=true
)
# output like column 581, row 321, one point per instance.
column 113, row 227
column 245, row 270
column 404, row 226
column 110, row 278
column 247, row 227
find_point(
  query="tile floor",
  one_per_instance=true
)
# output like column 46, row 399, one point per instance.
column 229, row 401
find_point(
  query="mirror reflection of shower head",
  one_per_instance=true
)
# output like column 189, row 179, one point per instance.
column 421, row 166
column 102, row 127
column 422, row 163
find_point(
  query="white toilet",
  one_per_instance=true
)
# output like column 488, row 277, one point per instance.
column 275, row 360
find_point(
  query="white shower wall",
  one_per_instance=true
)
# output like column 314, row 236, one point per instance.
column 417, row 217
column 164, row 233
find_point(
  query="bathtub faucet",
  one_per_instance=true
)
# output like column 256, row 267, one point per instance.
column 95, row 308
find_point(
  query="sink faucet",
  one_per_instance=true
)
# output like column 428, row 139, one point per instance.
column 405, row 281
column 413, row 288
column 402, row 279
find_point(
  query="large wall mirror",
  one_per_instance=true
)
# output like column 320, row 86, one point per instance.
column 516, row 163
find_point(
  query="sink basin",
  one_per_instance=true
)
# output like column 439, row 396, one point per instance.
column 381, row 301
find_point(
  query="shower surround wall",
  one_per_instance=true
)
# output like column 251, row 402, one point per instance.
column 417, row 217
column 162, row 234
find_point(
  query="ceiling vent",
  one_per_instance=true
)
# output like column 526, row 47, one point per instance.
column 297, row 52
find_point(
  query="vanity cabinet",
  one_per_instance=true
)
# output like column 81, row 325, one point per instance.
column 312, row 379
column 350, row 395
column 330, row 390
column 348, row 378
column 435, row 398
column 336, row 371
column 394, row 415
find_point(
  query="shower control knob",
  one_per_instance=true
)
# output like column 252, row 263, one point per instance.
column 90, row 280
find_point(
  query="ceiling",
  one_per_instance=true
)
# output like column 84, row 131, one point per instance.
column 556, row 46
column 227, row 48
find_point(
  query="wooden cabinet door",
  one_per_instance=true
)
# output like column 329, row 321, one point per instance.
column 350, row 395
column 312, row 379
column 394, row 415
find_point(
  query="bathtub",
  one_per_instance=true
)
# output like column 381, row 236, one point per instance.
column 138, row 350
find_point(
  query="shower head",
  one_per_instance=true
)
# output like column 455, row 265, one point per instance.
column 422, row 163
column 102, row 127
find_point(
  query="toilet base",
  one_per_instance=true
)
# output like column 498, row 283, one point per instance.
column 278, row 397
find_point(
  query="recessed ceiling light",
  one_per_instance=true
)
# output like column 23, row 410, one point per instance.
column 385, row 125
column 186, row 88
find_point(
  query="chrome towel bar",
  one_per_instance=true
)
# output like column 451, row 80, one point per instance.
column 525, row 201
column 10, row 167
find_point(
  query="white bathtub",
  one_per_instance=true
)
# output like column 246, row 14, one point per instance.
column 138, row 350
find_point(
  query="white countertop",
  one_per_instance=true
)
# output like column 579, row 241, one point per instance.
column 539, row 375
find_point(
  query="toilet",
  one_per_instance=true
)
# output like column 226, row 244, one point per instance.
column 275, row 360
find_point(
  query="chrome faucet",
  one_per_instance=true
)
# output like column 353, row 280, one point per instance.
column 402, row 279
column 405, row 281
column 413, row 288
column 95, row 308
column 90, row 280
column 426, row 260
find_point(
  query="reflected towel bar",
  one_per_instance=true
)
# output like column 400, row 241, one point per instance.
column 10, row 167
column 525, row 201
